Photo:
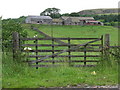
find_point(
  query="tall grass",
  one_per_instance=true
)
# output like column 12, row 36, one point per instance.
column 20, row 75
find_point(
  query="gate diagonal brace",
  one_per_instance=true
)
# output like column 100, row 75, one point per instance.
column 47, row 36
column 65, row 50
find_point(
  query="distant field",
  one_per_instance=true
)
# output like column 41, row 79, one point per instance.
column 74, row 32
column 81, row 31
column 108, row 14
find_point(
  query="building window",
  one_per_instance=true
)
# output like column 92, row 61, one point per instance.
column 99, row 23
column 38, row 21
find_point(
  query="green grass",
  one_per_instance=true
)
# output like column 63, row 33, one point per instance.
column 108, row 14
column 76, row 31
column 19, row 75
column 82, row 31
column 16, row 75
column 73, row 31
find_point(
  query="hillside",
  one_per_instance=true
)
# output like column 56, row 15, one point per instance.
column 99, row 11
column 77, row 31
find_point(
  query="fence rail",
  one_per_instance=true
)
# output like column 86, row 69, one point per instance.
column 65, row 56
column 70, row 48
column 84, row 48
column 57, row 45
column 59, row 38
column 58, row 61
column 97, row 50
column 63, row 65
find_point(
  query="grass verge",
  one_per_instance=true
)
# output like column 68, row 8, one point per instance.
column 19, row 75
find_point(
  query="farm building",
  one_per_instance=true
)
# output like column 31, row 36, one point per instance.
column 94, row 23
column 62, row 20
column 57, row 21
column 39, row 19
column 76, row 20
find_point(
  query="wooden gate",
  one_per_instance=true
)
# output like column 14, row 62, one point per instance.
column 68, row 53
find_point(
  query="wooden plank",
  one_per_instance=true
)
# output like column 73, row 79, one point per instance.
column 61, row 50
column 61, row 61
column 16, row 45
column 57, row 45
column 107, row 40
column 62, row 65
column 102, row 45
column 106, row 45
column 65, row 56
column 16, row 41
column 59, row 38
column 85, row 55
column 46, row 65
column 85, row 61
column 47, row 36
column 36, row 47
column 84, row 65
column 94, row 44
column 53, row 51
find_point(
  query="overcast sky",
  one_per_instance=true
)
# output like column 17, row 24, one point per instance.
column 17, row 8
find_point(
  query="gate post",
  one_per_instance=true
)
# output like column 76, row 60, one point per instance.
column 16, row 46
column 107, row 41
column 106, row 46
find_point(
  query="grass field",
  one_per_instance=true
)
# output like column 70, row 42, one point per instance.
column 77, row 31
column 19, row 75
column 82, row 31
column 108, row 14
column 74, row 32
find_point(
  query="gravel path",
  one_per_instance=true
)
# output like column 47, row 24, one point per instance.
column 86, row 86
column 115, row 87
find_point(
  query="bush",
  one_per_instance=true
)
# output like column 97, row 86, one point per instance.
column 8, row 27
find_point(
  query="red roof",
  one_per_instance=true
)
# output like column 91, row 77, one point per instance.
column 93, row 21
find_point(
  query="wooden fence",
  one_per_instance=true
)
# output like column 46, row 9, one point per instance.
column 85, row 48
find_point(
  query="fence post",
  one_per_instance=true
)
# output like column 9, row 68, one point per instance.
column 36, row 42
column 69, row 52
column 106, row 46
column 53, row 50
column 107, row 41
column 85, row 55
column 16, row 45
column 101, row 48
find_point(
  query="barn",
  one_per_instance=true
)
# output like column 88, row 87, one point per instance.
column 76, row 20
column 39, row 20
column 57, row 21
column 64, row 20
column 94, row 23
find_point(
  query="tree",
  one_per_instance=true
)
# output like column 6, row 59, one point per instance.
column 8, row 27
column 66, row 14
column 74, row 14
column 52, row 12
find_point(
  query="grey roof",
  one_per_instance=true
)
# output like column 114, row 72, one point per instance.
column 39, row 17
column 57, row 20
column 78, row 18
column 65, row 17
column 86, row 18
